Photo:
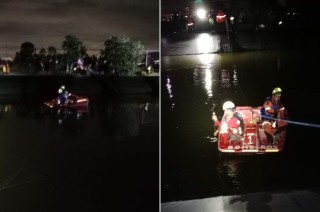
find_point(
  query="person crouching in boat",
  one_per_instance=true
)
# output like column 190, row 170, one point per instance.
column 272, row 110
column 231, row 126
column 63, row 95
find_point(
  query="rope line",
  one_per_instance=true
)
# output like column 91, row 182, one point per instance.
column 290, row 122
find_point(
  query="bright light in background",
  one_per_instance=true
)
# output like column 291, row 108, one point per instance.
column 204, row 43
column 201, row 13
column 232, row 20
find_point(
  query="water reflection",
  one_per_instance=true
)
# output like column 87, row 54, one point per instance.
column 206, row 59
column 205, row 43
column 225, row 79
column 230, row 169
column 245, row 78
column 110, row 119
column 149, row 113
column 66, row 113
column 110, row 152
column 235, row 76
column 169, row 90
column 169, row 87
column 208, row 82
column 229, row 78
column 213, row 78
column 205, row 67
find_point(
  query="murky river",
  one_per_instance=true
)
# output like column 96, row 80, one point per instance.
column 192, row 85
column 102, row 159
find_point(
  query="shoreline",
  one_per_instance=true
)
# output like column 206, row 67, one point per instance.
column 24, row 85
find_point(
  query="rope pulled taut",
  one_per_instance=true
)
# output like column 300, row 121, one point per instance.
column 288, row 121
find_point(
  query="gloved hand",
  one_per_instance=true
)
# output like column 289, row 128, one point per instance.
column 214, row 117
column 215, row 133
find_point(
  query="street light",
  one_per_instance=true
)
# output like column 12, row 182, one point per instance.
column 201, row 13
column 231, row 19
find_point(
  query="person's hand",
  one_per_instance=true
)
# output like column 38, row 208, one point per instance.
column 214, row 117
column 215, row 133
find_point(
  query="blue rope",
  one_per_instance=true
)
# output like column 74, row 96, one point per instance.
column 292, row 122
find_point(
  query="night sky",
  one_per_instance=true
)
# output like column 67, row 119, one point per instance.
column 167, row 5
column 46, row 22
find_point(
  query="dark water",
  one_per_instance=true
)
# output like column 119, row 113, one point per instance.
column 105, row 159
column 192, row 167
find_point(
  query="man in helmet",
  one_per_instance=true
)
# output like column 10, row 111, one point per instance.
column 63, row 95
column 231, row 125
column 272, row 106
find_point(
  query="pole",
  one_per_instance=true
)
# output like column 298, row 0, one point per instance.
column 228, row 33
column 146, row 59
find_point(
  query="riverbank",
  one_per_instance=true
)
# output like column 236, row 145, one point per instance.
column 93, row 86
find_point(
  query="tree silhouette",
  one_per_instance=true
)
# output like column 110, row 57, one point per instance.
column 26, row 59
column 73, row 49
column 122, row 55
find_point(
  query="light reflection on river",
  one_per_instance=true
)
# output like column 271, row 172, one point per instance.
column 191, row 165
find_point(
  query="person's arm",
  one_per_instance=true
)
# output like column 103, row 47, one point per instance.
column 217, row 124
column 281, row 107
column 268, row 107
column 283, row 112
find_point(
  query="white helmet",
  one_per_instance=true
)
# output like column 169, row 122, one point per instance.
column 228, row 105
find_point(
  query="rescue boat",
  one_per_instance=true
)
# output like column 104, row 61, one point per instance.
column 254, row 139
column 76, row 102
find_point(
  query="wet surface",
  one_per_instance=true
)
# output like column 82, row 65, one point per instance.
column 103, row 159
column 193, row 85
